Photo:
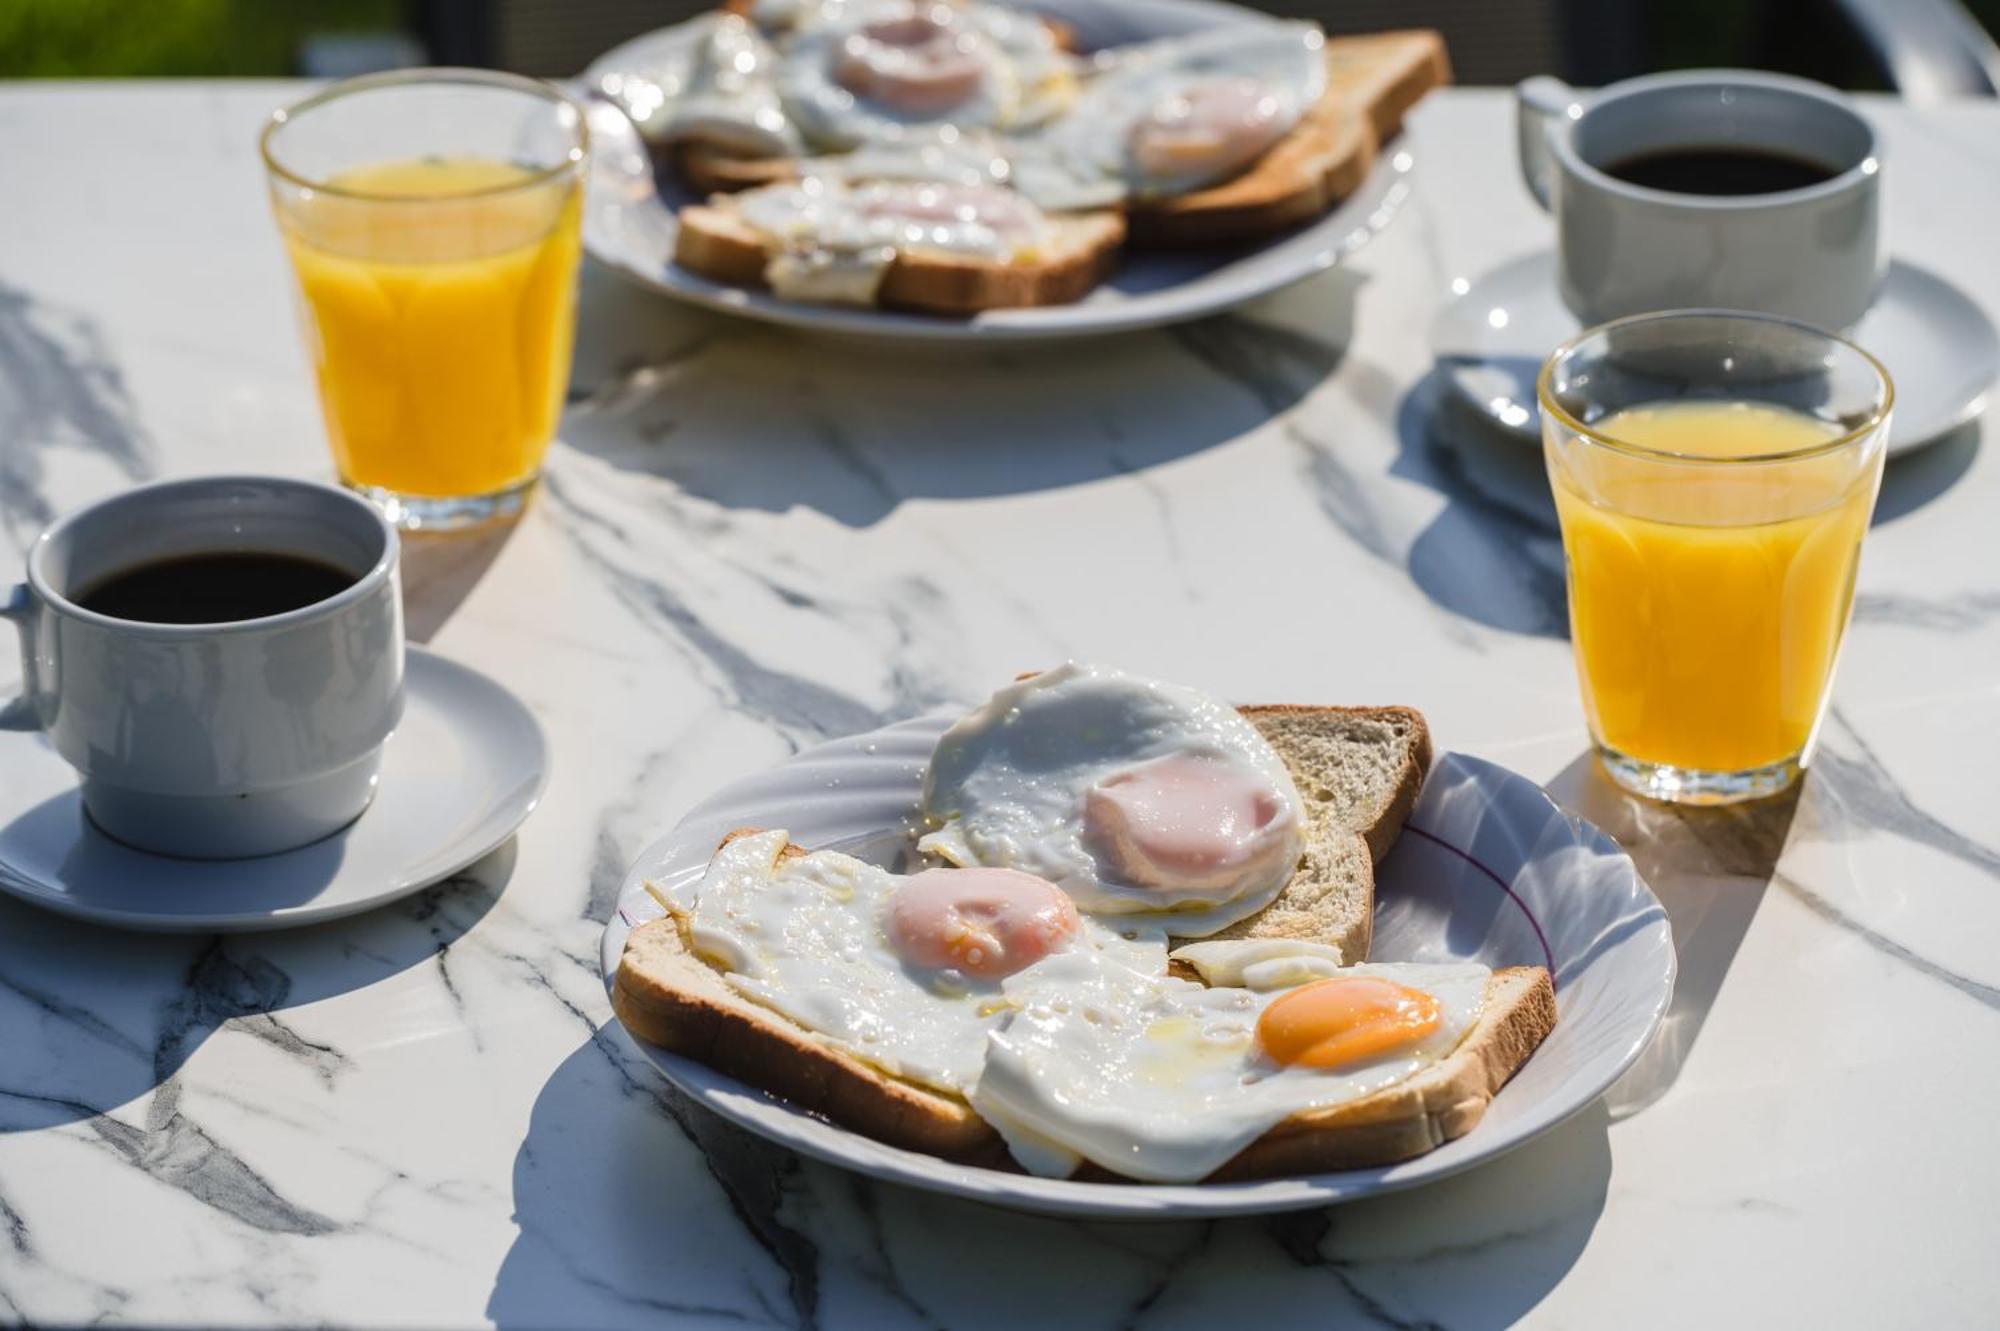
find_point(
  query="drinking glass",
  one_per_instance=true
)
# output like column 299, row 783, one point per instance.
column 433, row 217
column 1714, row 473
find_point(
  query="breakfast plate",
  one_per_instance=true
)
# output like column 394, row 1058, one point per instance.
column 1488, row 869
column 629, row 221
column 464, row 768
column 1940, row 348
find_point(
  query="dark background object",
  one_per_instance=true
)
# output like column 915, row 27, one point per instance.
column 1925, row 48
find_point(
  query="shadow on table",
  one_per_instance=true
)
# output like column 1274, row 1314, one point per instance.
column 100, row 1017
column 772, row 420
column 1915, row 479
column 1710, row 868
column 1494, row 552
column 441, row 568
column 635, row 1204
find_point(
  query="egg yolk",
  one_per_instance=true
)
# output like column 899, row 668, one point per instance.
column 916, row 64
column 1185, row 821
column 1346, row 1019
column 1207, row 128
column 986, row 923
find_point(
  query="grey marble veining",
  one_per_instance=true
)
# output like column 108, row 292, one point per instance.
column 750, row 541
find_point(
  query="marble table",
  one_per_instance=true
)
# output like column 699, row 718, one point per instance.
column 748, row 542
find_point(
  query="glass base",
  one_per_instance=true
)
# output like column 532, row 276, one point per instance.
column 429, row 513
column 1687, row 785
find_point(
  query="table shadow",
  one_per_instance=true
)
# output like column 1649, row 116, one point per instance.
column 441, row 568
column 111, row 1015
column 749, row 417
column 635, row 1204
column 1494, row 552
column 1710, row 868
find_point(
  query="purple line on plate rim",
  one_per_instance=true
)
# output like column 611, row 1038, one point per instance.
column 1547, row 955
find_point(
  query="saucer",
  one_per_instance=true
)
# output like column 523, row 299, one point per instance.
column 465, row 766
column 1939, row 346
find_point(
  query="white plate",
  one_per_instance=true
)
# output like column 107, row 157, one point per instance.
column 463, row 770
column 1939, row 346
column 629, row 224
column 1488, row 869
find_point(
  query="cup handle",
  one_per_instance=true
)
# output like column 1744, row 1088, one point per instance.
column 21, row 713
column 1542, row 106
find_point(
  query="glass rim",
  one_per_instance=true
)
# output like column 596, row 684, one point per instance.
column 544, row 89
column 1545, row 398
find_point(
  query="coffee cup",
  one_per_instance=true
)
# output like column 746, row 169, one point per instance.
column 1719, row 189
column 220, row 659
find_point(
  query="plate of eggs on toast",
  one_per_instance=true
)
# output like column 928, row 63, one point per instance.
column 1105, row 945
column 984, row 169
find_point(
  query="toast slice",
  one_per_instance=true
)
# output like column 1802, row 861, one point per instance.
column 1372, row 82
column 1359, row 770
column 1386, row 74
column 715, row 241
column 666, row 995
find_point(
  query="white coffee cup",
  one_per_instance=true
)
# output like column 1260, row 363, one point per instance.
column 224, row 740
column 1815, row 254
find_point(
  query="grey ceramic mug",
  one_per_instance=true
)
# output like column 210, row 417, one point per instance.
column 1815, row 254
column 226, row 740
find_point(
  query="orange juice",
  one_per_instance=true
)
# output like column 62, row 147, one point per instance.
column 1707, row 600
column 440, row 309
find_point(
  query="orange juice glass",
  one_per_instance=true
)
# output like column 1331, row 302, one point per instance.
column 1714, row 474
column 433, row 217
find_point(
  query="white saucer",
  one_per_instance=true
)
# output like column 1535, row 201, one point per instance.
column 1487, row 869
column 1941, row 349
column 465, row 767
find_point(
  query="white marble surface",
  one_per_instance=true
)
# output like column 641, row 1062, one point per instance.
column 748, row 542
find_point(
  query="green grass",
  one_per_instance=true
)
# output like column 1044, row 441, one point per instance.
column 163, row 38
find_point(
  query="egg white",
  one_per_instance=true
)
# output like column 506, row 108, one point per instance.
column 1026, row 79
column 1158, row 1078
column 1082, row 160
column 1006, row 787
column 805, row 937
column 728, row 96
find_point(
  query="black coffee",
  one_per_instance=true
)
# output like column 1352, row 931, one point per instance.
column 1721, row 171
column 214, row 588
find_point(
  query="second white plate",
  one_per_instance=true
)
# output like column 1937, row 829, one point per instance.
column 629, row 218
column 1488, row 869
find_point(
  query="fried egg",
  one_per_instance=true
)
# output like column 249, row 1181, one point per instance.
column 728, row 97
column 903, row 971
column 1148, row 802
column 876, row 71
column 1165, row 1080
column 1176, row 115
